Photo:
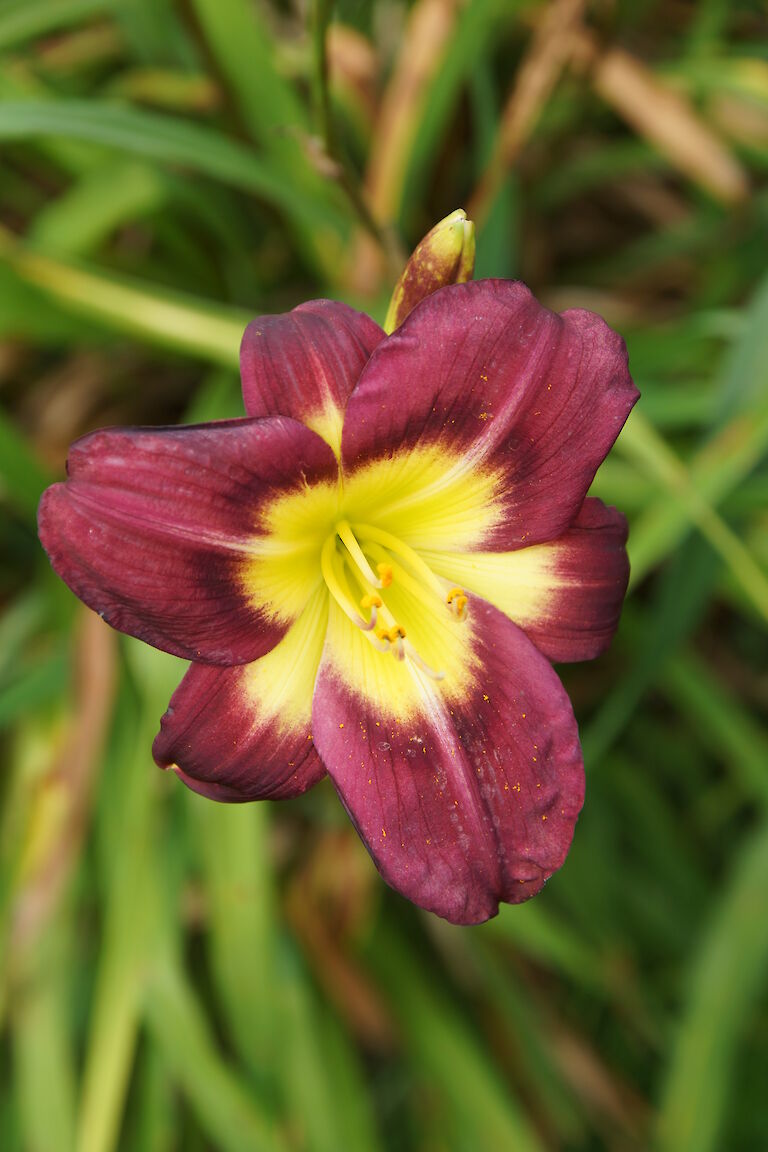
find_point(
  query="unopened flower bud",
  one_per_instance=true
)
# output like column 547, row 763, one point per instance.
column 445, row 256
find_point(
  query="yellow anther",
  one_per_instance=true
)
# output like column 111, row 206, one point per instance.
column 457, row 601
column 373, row 602
column 345, row 563
column 385, row 574
column 392, row 635
column 397, row 547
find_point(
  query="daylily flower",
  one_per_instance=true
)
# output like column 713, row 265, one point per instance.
column 372, row 572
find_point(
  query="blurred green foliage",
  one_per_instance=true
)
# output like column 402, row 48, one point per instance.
column 179, row 975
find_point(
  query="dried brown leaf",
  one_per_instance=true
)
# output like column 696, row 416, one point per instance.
column 550, row 49
column 666, row 119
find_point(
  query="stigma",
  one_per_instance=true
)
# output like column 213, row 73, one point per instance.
column 360, row 562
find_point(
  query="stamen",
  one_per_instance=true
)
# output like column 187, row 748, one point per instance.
column 393, row 634
column 412, row 654
column 456, row 598
column 335, row 581
column 457, row 601
column 404, row 579
column 379, row 645
column 380, row 628
column 374, row 603
column 371, row 622
column 384, row 638
column 385, row 574
column 396, row 636
column 368, row 532
column 346, row 535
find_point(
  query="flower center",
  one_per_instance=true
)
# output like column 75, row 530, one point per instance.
column 360, row 562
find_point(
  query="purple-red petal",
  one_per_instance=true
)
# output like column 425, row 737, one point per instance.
column 154, row 527
column 485, row 372
column 472, row 800
column 245, row 733
column 218, row 741
column 566, row 594
column 591, row 569
column 305, row 363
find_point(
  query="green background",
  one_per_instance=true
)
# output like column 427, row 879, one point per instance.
column 181, row 975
